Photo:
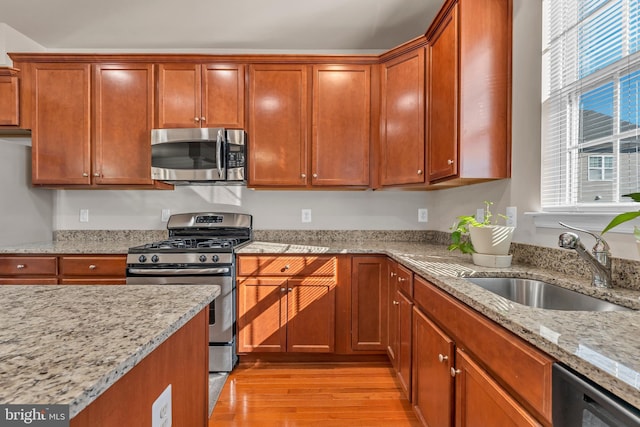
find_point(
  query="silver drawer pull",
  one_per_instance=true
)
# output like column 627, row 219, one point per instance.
column 442, row 358
column 92, row 267
column 20, row 266
column 455, row 372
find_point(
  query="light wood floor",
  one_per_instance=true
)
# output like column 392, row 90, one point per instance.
column 312, row 394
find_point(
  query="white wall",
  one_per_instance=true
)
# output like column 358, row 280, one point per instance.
column 14, row 41
column 25, row 213
column 333, row 210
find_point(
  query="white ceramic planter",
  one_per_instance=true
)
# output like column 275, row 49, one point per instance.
column 491, row 239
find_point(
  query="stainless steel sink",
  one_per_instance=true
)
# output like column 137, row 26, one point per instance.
column 538, row 294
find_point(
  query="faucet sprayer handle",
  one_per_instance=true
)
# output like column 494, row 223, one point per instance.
column 601, row 244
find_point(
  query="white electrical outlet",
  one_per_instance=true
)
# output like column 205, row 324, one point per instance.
column 480, row 215
column 423, row 215
column 161, row 409
column 306, row 215
column 166, row 213
column 84, row 215
column 512, row 215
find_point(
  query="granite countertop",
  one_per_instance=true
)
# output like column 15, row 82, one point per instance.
column 604, row 346
column 68, row 344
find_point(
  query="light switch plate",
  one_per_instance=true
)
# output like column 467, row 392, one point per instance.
column 423, row 215
column 164, row 216
column 306, row 215
column 512, row 215
column 161, row 409
column 84, row 215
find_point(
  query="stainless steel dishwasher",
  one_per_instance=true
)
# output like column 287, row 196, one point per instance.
column 578, row 402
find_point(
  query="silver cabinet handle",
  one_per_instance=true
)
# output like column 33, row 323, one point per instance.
column 442, row 358
column 401, row 279
column 197, row 119
column 204, row 119
column 455, row 372
column 96, row 174
column 315, row 175
column 396, row 302
column 92, row 267
column 85, row 174
column 449, row 162
column 286, row 267
column 20, row 266
column 290, row 289
column 393, row 274
column 283, row 289
column 303, row 175
column 419, row 171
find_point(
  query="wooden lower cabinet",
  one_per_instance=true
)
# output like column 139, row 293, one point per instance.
column 28, row 270
column 286, row 315
column 369, row 303
column 93, row 270
column 481, row 401
column 433, row 386
column 499, row 380
column 405, row 342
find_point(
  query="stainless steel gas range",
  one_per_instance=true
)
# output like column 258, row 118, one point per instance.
column 200, row 250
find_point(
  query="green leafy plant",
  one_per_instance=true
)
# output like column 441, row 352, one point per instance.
column 460, row 229
column 626, row 216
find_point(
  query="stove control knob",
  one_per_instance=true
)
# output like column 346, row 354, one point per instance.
column 202, row 258
column 142, row 258
column 155, row 258
column 215, row 258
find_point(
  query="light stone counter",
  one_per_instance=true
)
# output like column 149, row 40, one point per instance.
column 604, row 346
column 68, row 344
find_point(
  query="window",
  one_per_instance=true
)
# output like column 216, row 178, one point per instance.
column 591, row 103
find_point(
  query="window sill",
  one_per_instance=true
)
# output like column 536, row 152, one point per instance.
column 592, row 221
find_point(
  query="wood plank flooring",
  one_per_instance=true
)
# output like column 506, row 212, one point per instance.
column 283, row 394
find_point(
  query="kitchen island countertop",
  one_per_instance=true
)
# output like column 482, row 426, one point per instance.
column 67, row 344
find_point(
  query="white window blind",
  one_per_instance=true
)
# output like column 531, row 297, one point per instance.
column 591, row 113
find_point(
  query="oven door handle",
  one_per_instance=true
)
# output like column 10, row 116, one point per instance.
column 177, row 272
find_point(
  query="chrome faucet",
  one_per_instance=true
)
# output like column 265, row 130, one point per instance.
column 599, row 259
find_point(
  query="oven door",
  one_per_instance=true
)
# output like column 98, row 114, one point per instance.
column 222, row 314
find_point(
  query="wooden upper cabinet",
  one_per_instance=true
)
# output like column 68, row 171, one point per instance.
column 341, row 125
column 278, row 125
column 61, row 128
column 9, row 97
column 402, row 119
column 442, row 95
column 123, row 118
column 200, row 95
column 469, row 93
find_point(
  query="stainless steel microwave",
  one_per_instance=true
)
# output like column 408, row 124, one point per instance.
column 199, row 156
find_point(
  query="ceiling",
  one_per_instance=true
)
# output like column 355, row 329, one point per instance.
column 210, row 25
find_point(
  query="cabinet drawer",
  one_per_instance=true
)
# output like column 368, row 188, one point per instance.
column 89, row 266
column 28, row 281
column 516, row 365
column 287, row 266
column 405, row 280
column 28, row 266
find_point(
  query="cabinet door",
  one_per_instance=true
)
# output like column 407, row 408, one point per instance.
column 393, row 315
column 311, row 316
column 223, row 96
column 262, row 315
column 480, row 401
column 402, row 115
column 341, row 125
column 123, row 118
column 9, row 97
column 432, row 383
column 442, row 92
column 405, row 341
column 179, row 95
column 369, row 303
column 278, row 125
column 61, row 128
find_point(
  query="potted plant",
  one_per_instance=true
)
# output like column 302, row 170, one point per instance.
column 485, row 240
column 626, row 216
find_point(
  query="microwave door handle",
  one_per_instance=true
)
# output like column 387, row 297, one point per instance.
column 175, row 271
column 219, row 153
